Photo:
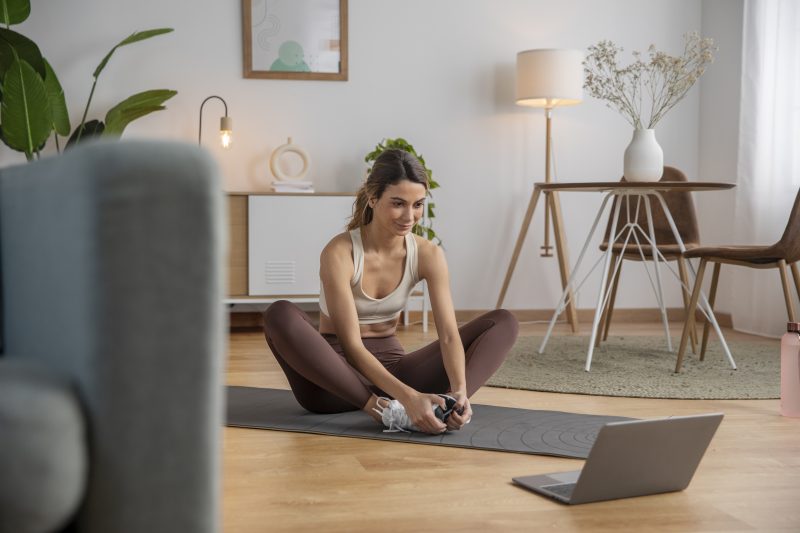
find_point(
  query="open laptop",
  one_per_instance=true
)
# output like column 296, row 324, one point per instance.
column 633, row 458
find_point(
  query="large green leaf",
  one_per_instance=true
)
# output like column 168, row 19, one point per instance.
column 25, row 111
column 134, row 107
column 14, row 11
column 90, row 130
column 132, row 38
column 123, row 118
column 58, row 104
column 11, row 42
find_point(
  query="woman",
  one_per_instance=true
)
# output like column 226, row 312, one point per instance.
column 355, row 361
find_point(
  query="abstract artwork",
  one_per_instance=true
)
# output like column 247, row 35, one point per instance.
column 295, row 39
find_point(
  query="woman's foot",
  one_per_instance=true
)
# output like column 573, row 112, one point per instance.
column 392, row 414
column 374, row 407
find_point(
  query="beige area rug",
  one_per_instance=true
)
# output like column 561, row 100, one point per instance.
column 641, row 367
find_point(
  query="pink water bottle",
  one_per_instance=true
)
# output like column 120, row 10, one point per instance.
column 790, row 371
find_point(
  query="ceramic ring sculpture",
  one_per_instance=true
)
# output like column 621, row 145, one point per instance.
column 274, row 161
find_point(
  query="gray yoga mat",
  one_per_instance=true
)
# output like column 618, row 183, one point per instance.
column 504, row 429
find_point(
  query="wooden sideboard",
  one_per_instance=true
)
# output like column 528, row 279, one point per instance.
column 274, row 242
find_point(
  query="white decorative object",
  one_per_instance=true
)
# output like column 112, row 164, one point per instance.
column 644, row 159
column 274, row 161
column 644, row 91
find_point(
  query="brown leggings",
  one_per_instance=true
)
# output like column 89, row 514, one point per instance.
column 324, row 382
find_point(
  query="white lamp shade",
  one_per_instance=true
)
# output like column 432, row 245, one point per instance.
column 549, row 77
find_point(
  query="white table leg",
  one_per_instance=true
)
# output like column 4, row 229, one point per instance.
column 659, row 289
column 562, row 302
column 704, row 300
column 601, row 296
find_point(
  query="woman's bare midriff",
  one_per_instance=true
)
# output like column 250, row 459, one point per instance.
column 382, row 329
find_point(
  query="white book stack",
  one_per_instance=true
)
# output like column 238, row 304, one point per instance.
column 296, row 186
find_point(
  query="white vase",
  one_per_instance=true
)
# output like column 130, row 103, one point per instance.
column 644, row 159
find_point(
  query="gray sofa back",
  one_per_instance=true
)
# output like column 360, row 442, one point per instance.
column 112, row 277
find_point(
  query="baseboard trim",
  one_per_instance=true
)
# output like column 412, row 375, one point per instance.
column 585, row 316
column 254, row 321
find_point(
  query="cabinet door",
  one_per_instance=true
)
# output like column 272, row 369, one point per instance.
column 285, row 237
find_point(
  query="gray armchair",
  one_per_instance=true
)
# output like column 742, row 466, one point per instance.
column 113, row 332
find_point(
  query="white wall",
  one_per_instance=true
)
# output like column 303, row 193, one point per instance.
column 439, row 73
column 720, row 89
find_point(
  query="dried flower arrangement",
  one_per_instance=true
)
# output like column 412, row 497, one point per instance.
column 658, row 83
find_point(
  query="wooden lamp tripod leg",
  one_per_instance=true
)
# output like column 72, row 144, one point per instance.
column 558, row 226
column 563, row 258
column 552, row 214
column 561, row 247
column 523, row 231
column 549, row 214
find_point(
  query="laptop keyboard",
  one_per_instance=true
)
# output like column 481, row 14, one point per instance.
column 562, row 489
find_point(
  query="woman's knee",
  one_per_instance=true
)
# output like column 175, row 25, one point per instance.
column 505, row 320
column 279, row 315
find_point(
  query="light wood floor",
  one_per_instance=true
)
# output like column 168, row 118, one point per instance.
column 749, row 480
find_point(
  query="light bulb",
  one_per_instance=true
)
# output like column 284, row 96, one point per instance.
column 225, row 131
column 225, row 138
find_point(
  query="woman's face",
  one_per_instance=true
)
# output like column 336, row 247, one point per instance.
column 399, row 207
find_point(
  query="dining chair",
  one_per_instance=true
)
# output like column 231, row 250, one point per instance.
column 784, row 253
column 681, row 206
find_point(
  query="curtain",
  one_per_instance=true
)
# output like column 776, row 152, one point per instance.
column 768, row 167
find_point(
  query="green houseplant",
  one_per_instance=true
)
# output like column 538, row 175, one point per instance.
column 423, row 229
column 32, row 102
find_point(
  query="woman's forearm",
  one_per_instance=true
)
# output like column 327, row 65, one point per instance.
column 454, row 363
column 366, row 363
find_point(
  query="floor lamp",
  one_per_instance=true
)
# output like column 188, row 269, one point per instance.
column 547, row 78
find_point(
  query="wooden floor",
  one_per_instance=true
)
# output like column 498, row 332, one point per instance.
column 749, row 479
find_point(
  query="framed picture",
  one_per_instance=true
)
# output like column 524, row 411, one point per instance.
column 295, row 39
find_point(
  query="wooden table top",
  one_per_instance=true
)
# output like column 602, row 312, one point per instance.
column 599, row 186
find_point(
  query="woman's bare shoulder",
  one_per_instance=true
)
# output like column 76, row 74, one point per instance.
column 431, row 257
column 338, row 248
column 427, row 249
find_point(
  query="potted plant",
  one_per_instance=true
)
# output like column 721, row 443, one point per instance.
column 425, row 227
column 644, row 91
column 32, row 103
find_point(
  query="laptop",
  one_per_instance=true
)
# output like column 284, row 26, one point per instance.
column 633, row 458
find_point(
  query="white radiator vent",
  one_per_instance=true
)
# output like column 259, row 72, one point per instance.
column 280, row 272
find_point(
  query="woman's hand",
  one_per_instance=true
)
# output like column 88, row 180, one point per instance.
column 462, row 412
column 419, row 408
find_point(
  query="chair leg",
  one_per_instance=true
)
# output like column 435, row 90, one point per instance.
column 612, row 301
column 786, row 294
column 712, row 295
column 686, row 293
column 796, row 276
column 606, row 317
column 689, row 322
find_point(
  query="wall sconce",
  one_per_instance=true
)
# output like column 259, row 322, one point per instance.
column 225, row 124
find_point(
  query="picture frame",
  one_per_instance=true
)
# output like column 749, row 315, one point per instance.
column 295, row 39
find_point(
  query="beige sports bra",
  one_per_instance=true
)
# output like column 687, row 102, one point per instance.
column 375, row 310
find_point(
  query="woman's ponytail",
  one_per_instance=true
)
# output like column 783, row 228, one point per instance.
column 362, row 212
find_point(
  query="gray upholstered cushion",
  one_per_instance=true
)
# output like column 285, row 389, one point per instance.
column 42, row 449
column 112, row 275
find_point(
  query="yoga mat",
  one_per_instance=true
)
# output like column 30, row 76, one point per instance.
column 504, row 429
